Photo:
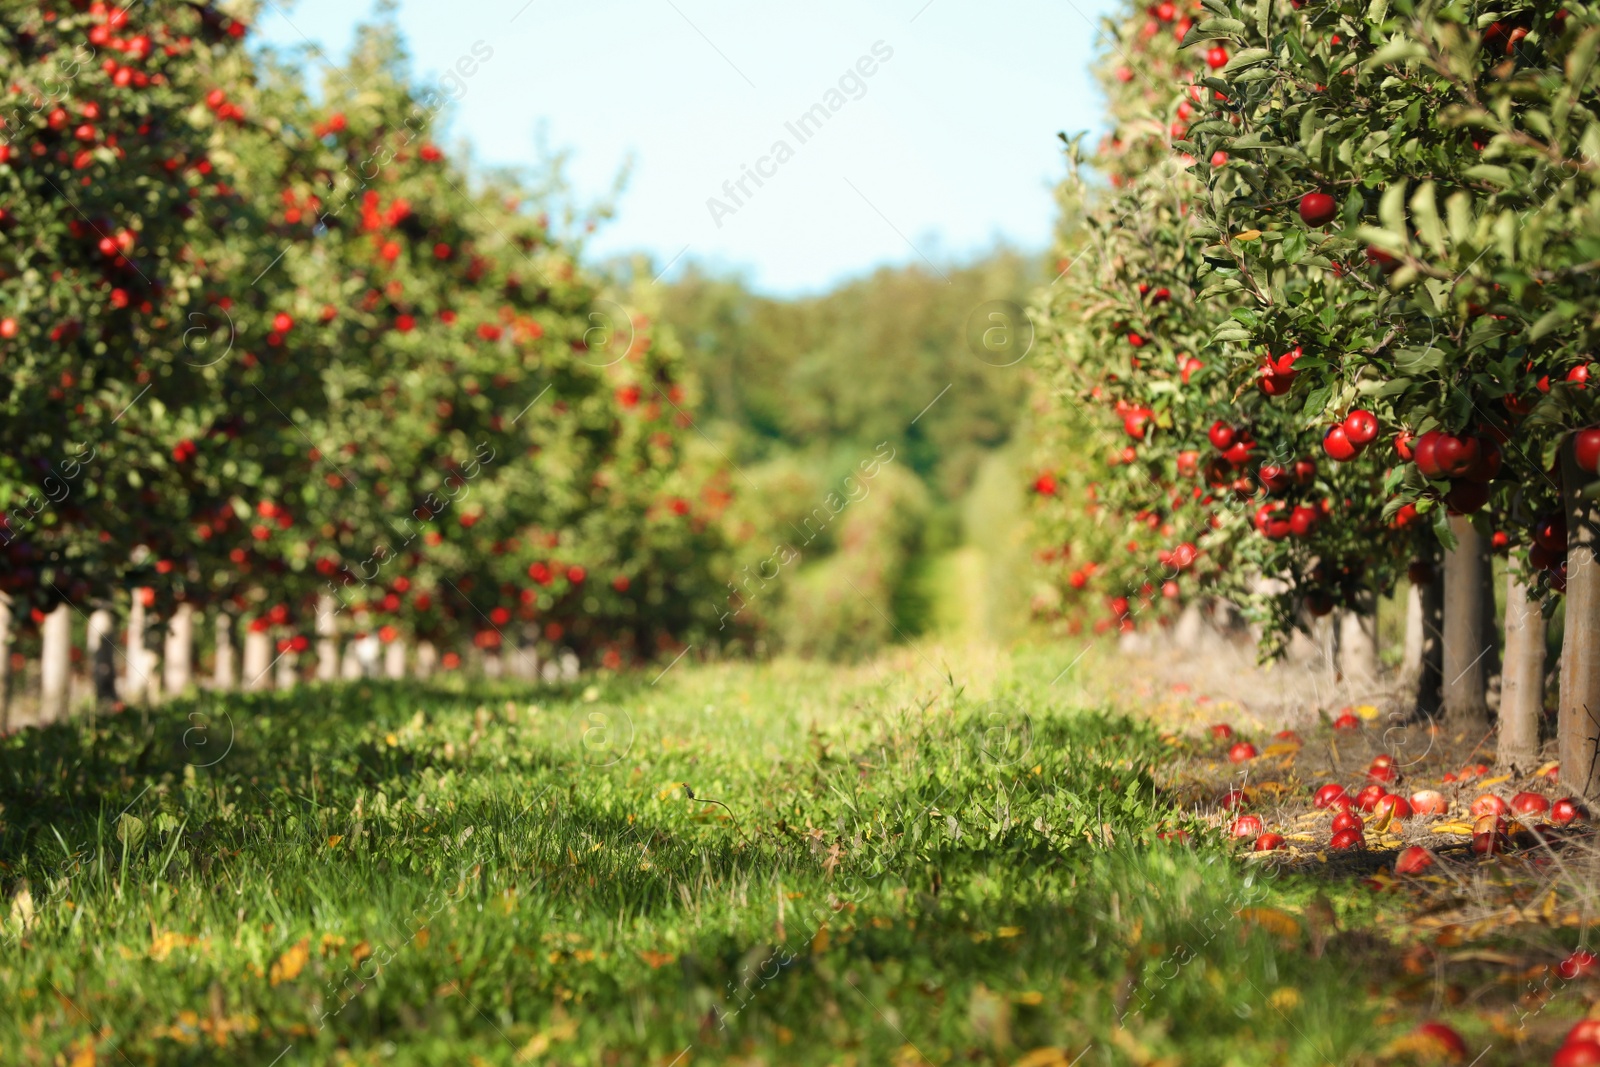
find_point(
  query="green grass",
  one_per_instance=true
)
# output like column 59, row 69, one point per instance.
column 389, row 874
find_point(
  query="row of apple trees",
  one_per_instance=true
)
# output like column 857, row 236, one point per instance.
column 286, row 365
column 1331, row 324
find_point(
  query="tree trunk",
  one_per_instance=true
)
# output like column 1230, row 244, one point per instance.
column 55, row 665
column 178, row 655
column 224, row 675
column 427, row 658
column 1430, row 679
column 1358, row 642
column 394, row 659
column 1466, row 708
column 286, row 674
column 1578, row 727
column 5, row 663
column 1522, row 680
column 102, row 656
column 1411, row 658
column 327, row 638
column 257, row 661
column 133, row 680
column 350, row 668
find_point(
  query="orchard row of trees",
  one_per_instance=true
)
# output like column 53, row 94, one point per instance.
column 1334, row 319
column 283, row 363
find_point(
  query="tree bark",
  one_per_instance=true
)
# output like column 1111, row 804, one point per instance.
column 1430, row 678
column 55, row 665
column 350, row 669
column 133, row 680
column 1522, row 679
column 1466, row 707
column 178, row 653
column 1411, row 658
column 1358, row 642
column 285, row 673
column 394, row 659
column 224, row 672
column 257, row 674
column 102, row 656
column 327, row 638
column 427, row 658
column 1578, row 725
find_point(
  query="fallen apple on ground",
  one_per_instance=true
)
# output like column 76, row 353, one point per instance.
column 1429, row 802
column 1413, row 860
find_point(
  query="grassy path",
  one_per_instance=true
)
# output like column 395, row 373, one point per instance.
column 737, row 864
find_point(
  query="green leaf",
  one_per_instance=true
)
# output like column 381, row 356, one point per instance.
column 1398, row 50
column 1441, row 529
column 1294, row 246
column 1548, row 322
column 1263, row 17
column 1580, row 61
column 1391, row 209
column 1425, row 211
column 1491, row 173
column 1246, row 58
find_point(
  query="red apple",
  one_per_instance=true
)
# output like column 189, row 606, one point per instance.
column 1221, row 731
column 1268, row 842
column 1429, row 802
column 1443, row 1039
column 1413, row 860
column 1216, row 57
column 1564, row 811
column 1348, row 820
column 1577, row 1054
column 1242, row 752
column 1489, row 804
column 1580, row 964
column 1221, row 435
column 1347, row 721
column 1317, row 209
column 1336, row 443
column 1368, row 798
column 1586, row 448
column 1233, row 798
column 1345, row 840
column 1382, row 773
column 1361, row 428
column 1395, row 804
column 1325, row 796
column 1246, row 826
column 1403, row 442
column 1584, row 1030
column 1530, row 804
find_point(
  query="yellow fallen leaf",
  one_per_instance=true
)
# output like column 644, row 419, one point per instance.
column 1453, row 828
column 1282, row 748
column 1280, row 923
column 1285, row 999
column 333, row 841
column 1275, row 788
column 164, row 942
column 819, row 941
column 291, row 963
column 1487, row 782
column 1248, row 235
column 1009, row 931
column 1367, row 711
column 656, row 960
column 1030, row 996
column 1300, row 837
column 541, row 1042
column 1547, row 770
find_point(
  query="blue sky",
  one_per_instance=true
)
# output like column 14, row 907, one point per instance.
column 946, row 147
